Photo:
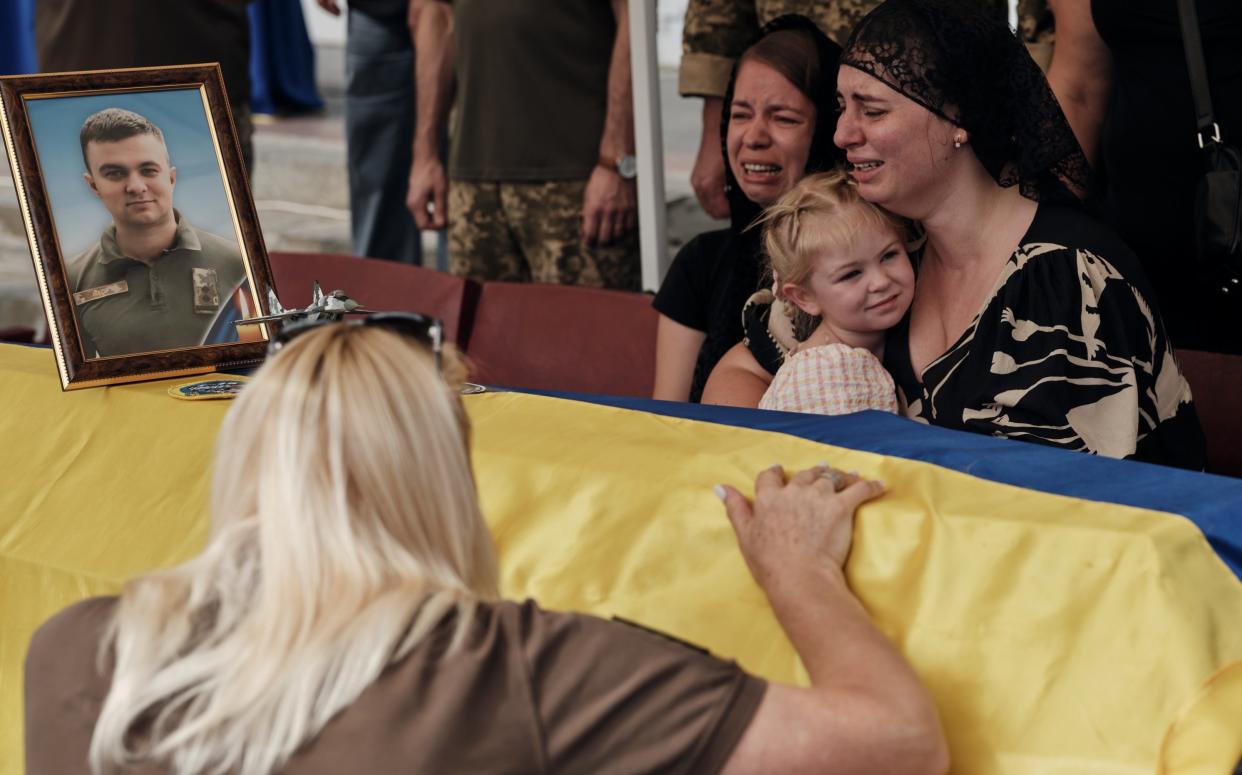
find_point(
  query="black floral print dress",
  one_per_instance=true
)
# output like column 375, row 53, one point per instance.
column 1067, row 352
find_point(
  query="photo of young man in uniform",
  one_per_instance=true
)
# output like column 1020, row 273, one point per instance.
column 153, row 281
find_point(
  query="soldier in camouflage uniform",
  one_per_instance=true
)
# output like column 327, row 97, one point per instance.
column 533, row 231
column 541, row 169
column 716, row 32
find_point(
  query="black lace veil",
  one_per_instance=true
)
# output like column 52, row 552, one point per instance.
column 823, row 154
column 966, row 66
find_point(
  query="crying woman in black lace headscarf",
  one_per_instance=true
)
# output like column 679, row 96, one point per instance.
column 1030, row 320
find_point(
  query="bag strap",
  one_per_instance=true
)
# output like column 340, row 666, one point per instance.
column 1188, row 18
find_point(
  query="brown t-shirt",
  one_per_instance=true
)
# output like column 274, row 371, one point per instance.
column 531, row 691
column 532, row 88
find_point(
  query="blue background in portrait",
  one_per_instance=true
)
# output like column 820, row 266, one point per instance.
column 79, row 215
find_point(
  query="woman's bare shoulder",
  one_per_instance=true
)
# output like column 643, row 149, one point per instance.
column 737, row 380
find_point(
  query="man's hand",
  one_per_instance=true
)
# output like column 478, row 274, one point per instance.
column 426, row 196
column 330, row 6
column 708, row 176
column 804, row 525
column 431, row 28
column 609, row 207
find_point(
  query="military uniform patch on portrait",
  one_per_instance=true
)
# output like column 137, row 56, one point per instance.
column 207, row 389
column 206, row 290
column 101, row 292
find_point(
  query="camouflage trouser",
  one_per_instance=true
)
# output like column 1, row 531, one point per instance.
column 533, row 231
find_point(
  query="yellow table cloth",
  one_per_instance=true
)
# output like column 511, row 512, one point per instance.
column 1057, row 635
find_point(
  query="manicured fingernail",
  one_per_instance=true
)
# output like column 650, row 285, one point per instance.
column 852, row 472
column 881, row 484
column 822, row 464
column 720, row 491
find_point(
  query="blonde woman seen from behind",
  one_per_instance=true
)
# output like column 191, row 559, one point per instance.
column 344, row 617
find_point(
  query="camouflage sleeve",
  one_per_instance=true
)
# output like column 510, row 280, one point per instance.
column 714, row 34
column 716, row 31
column 1035, row 27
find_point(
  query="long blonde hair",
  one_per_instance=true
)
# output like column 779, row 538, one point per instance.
column 345, row 526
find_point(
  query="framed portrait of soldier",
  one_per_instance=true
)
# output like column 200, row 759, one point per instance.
column 141, row 225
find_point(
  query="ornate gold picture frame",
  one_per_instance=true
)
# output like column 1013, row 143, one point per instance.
column 141, row 225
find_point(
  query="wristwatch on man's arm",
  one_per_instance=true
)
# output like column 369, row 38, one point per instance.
column 625, row 165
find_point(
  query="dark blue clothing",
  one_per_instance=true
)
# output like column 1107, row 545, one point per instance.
column 379, row 131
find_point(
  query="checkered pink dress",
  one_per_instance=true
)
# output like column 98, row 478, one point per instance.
column 831, row 379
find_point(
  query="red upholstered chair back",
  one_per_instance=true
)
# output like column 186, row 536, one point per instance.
column 1216, row 382
column 23, row 334
column 26, row 334
column 561, row 337
column 379, row 285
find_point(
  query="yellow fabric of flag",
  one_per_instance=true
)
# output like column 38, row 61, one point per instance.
column 1057, row 635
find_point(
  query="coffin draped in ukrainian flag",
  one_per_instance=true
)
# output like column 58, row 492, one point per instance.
column 1069, row 614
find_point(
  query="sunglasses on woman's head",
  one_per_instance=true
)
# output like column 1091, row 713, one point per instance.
column 427, row 331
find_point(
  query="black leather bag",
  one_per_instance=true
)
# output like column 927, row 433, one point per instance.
column 1218, row 208
column 1218, row 198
